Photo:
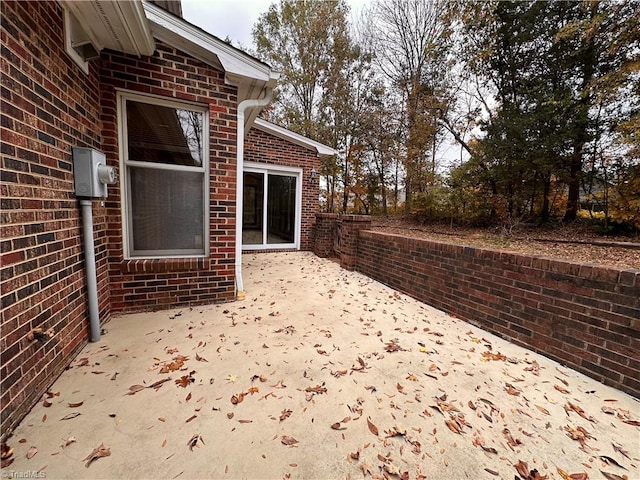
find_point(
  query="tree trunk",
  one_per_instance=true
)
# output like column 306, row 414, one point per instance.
column 573, row 197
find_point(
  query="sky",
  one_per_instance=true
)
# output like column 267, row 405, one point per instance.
column 235, row 18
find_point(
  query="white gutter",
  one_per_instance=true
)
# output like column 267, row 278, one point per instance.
column 242, row 106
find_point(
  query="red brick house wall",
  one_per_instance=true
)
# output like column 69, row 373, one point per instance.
column 161, row 283
column 48, row 105
column 269, row 149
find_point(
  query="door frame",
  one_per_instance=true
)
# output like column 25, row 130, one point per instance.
column 266, row 169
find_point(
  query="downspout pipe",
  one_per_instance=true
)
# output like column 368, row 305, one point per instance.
column 90, row 268
column 242, row 107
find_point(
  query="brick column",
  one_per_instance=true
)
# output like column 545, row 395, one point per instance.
column 351, row 225
column 324, row 232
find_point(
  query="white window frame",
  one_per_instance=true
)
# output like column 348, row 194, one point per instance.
column 266, row 169
column 125, row 187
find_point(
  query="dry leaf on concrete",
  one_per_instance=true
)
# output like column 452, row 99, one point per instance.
column 287, row 440
column 372, row 428
column 98, row 452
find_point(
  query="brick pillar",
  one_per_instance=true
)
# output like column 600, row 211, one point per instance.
column 351, row 225
column 324, row 232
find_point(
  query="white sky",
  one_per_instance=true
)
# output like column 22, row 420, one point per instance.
column 235, row 18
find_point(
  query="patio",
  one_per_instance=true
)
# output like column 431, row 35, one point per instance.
column 321, row 373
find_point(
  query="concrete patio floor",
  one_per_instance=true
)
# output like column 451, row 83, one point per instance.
column 321, row 373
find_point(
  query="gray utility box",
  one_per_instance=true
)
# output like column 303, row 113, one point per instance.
column 91, row 175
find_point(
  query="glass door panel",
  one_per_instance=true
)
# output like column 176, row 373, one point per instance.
column 253, row 209
column 281, row 209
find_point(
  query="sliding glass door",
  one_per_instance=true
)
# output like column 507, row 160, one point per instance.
column 271, row 208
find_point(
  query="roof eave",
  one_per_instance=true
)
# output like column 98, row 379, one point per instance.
column 238, row 66
column 120, row 26
column 322, row 150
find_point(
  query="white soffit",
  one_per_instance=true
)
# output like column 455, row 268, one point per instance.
column 116, row 25
column 288, row 135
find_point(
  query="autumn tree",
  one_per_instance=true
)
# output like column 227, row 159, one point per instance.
column 554, row 72
column 309, row 42
column 411, row 45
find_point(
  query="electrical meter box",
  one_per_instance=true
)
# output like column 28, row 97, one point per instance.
column 91, row 174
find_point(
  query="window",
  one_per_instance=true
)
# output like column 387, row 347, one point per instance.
column 271, row 207
column 164, row 160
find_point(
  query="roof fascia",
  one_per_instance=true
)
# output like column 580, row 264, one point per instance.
column 288, row 135
column 235, row 63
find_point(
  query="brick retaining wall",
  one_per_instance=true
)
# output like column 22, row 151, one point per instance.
column 584, row 316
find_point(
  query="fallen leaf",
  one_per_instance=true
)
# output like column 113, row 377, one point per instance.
column 561, row 389
column 543, row 410
column 245, row 421
column 159, row 383
column 192, row 417
column 610, row 461
column 366, row 469
column 185, row 380
column 31, row 452
column 372, row 428
column 317, row 389
column 46, row 403
column 523, row 469
column 200, row 359
column 235, row 399
column 68, row 442
column 511, row 390
column 492, row 472
column 579, row 434
column 164, row 443
column 133, row 389
column 287, row 440
column 493, row 356
column 620, row 450
column 613, row 476
column 193, row 441
column 576, row 408
column 512, row 442
column 285, row 414
column 336, row 426
column 71, row 415
column 98, row 452
column 162, row 419
column 75, row 405
column 176, row 364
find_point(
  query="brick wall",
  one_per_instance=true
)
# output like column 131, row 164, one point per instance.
column 584, row 316
column 48, row 105
column 265, row 148
column 152, row 284
column 324, row 232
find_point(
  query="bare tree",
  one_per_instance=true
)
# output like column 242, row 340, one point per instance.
column 410, row 39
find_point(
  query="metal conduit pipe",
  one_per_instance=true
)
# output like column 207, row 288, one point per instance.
column 90, row 268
